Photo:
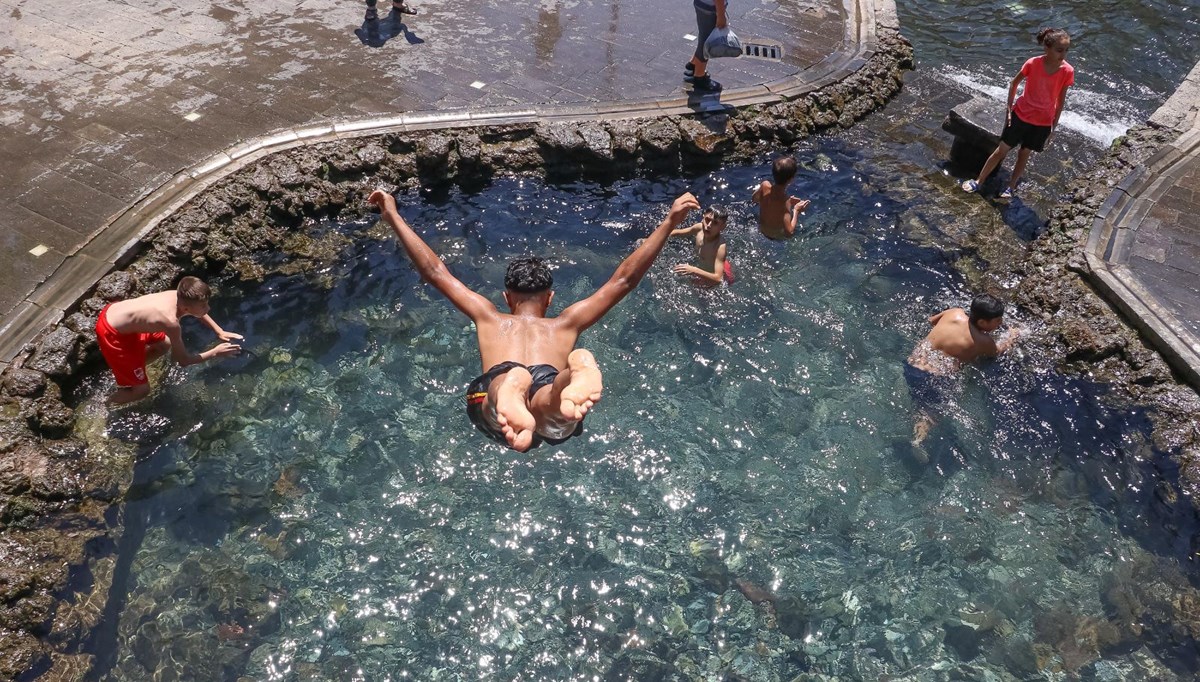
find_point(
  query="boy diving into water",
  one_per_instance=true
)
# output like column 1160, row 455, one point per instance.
column 536, row 385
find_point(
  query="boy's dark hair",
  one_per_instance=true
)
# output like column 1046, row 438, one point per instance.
column 717, row 212
column 528, row 275
column 193, row 289
column 783, row 170
column 1052, row 36
column 986, row 307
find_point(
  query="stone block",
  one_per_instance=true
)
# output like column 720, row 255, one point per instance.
column 975, row 125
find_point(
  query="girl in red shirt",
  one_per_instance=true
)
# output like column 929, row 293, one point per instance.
column 1032, row 121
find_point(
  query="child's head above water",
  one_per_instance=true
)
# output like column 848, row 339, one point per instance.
column 783, row 170
column 715, row 218
column 192, row 296
column 1055, row 40
column 987, row 312
column 528, row 275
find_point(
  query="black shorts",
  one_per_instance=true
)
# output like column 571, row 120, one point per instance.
column 929, row 392
column 1018, row 133
column 543, row 375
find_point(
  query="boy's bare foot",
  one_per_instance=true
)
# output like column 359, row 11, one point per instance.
column 921, row 429
column 585, row 388
column 516, row 421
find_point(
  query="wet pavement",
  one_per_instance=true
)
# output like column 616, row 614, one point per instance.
column 1144, row 248
column 104, row 102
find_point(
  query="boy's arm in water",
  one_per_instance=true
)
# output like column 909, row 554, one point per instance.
column 1010, row 339
column 687, row 230
column 181, row 355
column 221, row 333
column 428, row 265
column 587, row 312
column 764, row 187
column 934, row 319
column 716, row 276
column 795, row 205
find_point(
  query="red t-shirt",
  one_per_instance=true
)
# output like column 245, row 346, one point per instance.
column 1040, row 97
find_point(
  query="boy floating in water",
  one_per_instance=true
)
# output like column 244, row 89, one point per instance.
column 134, row 332
column 712, row 266
column 537, row 385
column 957, row 338
column 779, row 212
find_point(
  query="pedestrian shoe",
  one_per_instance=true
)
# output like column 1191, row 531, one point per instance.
column 705, row 83
column 970, row 186
column 404, row 9
column 1008, row 193
column 689, row 70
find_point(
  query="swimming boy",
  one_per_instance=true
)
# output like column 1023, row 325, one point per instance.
column 957, row 338
column 712, row 265
column 139, row 330
column 778, row 212
column 536, row 385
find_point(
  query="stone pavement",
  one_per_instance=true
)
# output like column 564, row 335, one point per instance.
column 1144, row 248
column 107, row 103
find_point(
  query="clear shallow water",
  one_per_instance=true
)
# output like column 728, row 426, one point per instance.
column 322, row 509
column 744, row 503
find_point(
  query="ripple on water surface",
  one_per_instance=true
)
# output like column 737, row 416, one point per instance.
column 744, row 502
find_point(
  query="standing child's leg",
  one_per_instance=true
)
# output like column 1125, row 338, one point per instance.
column 1019, row 168
column 993, row 161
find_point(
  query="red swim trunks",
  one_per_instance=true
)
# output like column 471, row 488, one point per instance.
column 125, row 353
column 728, row 271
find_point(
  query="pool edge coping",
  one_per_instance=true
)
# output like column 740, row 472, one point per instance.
column 1107, row 248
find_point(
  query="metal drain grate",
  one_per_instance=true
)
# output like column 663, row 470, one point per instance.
column 763, row 50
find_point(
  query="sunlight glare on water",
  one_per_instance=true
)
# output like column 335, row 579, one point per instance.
column 745, row 495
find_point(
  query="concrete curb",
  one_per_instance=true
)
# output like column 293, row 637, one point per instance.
column 1115, row 228
column 118, row 242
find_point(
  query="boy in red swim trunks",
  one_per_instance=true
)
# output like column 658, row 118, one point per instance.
column 712, row 265
column 139, row 330
column 536, row 385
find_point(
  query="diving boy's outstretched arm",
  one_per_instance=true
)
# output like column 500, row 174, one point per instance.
column 587, row 312
column 428, row 265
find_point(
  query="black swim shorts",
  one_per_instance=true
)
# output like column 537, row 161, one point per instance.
column 929, row 391
column 1018, row 133
column 477, row 390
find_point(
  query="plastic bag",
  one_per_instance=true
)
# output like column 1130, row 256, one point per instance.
column 722, row 42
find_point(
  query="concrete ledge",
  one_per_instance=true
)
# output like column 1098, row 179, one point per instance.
column 1121, row 288
column 1110, row 241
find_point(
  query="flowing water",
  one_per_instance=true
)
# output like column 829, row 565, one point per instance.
column 745, row 502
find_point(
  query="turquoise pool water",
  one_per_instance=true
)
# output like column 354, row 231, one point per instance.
column 744, row 503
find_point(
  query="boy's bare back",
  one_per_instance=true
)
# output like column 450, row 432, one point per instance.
column 954, row 337
column 145, row 314
column 527, row 339
column 778, row 212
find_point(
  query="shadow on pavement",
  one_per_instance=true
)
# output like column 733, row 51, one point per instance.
column 376, row 32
